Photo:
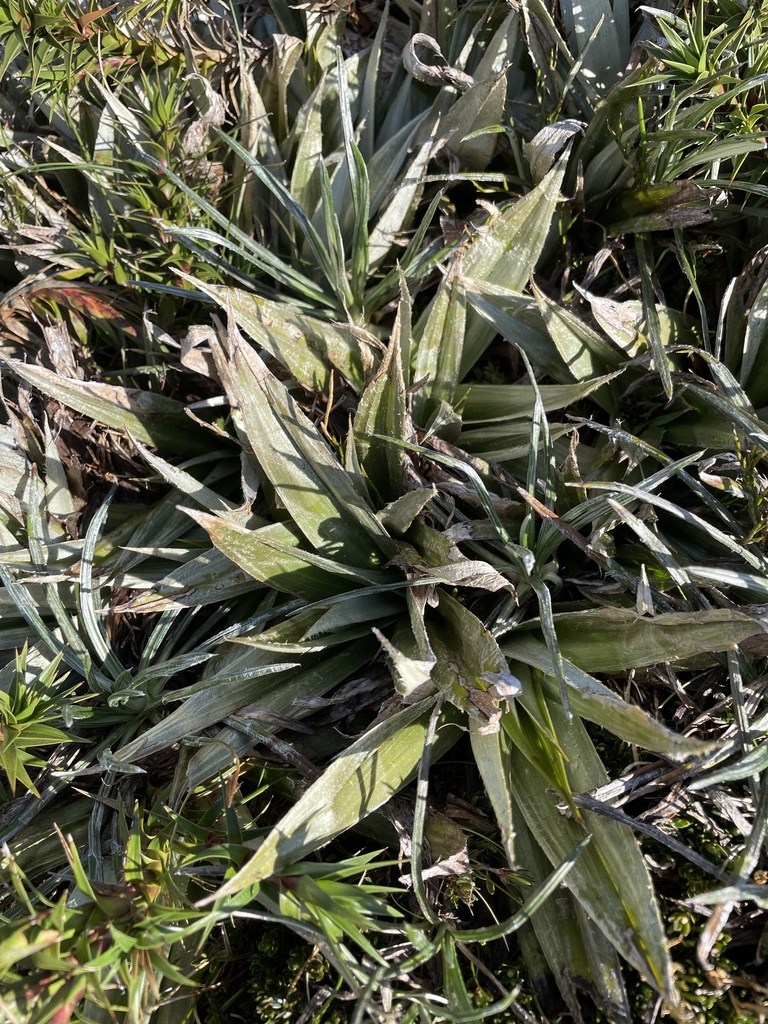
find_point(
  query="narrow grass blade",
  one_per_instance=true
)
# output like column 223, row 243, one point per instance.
column 652, row 323
column 420, row 814
column 755, row 340
column 88, row 603
column 284, row 197
column 369, row 114
column 653, row 542
column 589, row 699
column 690, row 518
column 738, row 417
column 255, row 254
column 360, row 188
column 516, row 318
column 187, row 484
column 308, row 129
column 58, row 495
column 551, row 640
column 533, row 904
column 28, row 610
column 159, row 526
column 40, row 553
column 201, row 710
column 729, row 578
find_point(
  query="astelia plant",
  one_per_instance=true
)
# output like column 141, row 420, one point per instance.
column 339, row 554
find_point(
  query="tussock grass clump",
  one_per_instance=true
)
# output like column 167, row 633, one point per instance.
column 383, row 512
